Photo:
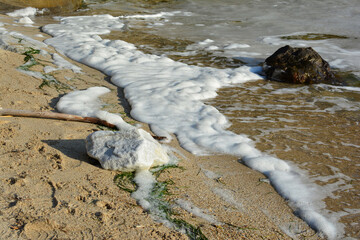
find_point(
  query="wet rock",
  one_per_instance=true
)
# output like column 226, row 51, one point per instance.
column 125, row 150
column 298, row 65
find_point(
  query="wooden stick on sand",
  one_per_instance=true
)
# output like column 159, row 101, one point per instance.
column 54, row 115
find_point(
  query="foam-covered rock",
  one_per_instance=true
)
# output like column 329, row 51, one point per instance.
column 125, row 150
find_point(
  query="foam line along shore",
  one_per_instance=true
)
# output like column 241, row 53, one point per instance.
column 167, row 95
column 199, row 127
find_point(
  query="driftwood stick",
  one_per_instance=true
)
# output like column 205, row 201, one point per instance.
column 54, row 115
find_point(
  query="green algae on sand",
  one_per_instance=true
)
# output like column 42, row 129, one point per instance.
column 313, row 36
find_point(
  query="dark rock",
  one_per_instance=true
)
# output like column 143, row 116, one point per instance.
column 298, row 65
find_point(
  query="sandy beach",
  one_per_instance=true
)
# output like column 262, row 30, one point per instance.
column 51, row 188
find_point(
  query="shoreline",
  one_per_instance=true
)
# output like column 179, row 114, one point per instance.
column 66, row 187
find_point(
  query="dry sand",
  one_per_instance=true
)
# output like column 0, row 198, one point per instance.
column 51, row 189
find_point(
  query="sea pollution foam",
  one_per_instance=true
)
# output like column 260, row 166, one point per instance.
column 168, row 96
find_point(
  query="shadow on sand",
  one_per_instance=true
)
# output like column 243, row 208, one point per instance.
column 73, row 148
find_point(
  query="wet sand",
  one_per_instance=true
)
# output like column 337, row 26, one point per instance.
column 303, row 129
column 52, row 189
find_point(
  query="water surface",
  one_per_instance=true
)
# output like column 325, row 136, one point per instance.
column 314, row 127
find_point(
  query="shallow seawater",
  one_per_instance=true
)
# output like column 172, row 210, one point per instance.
column 316, row 127
column 249, row 30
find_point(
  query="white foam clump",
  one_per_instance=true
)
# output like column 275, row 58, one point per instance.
column 168, row 95
column 84, row 103
column 8, row 39
column 164, row 93
column 289, row 184
column 208, row 45
column 145, row 182
column 156, row 15
column 79, row 27
column 25, row 20
column 128, row 149
column 63, row 64
column 191, row 208
column 236, row 46
column 212, row 48
column 39, row 35
column 25, row 12
column 49, row 69
column 266, row 164
column 26, row 41
column 206, row 41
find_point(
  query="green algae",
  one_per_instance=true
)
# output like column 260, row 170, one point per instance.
column 348, row 78
column 313, row 37
column 125, row 181
column 29, row 59
column 161, row 208
column 160, row 191
column 47, row 79
column 160, row 169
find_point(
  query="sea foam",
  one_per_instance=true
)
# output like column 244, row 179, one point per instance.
column 24, row 12
column 168, row 95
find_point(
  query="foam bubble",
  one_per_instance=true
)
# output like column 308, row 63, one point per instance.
column 25, row 12
column 191, row 208
column 25, row 20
